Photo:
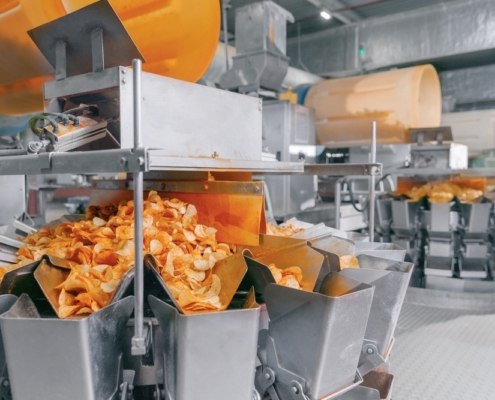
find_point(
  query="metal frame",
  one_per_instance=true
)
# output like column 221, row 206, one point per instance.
column 139, row 160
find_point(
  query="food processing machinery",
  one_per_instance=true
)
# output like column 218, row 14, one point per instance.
column 161, row 356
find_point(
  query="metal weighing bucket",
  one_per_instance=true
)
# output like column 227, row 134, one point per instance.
column 55, row 359
column 391, row 280
column 208, row 356
column 475, row 219
column 333, row 247
column 405, row 216
column 6, row 302
column 314, row 340
column 284, row 253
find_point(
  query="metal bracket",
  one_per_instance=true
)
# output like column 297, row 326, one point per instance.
column 135, row 161
column 127, row 386
column 267, row 378
column 372, row 357
column 140, row 346
column 5, row 389
column 45, row 160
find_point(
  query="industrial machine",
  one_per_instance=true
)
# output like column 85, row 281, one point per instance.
column 143, row 345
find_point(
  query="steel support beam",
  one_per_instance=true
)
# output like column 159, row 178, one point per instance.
column 450, row 35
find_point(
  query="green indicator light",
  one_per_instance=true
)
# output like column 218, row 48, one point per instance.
column 362, row 51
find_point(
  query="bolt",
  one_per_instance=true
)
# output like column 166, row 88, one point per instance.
column 123, row 161
column 144, row 98
column 124, row 71
column 124, row 81
column 140, row 161
column 214, row 155
column 6, row 383
column 295, row 389
column 267, row 376
column 369, row 351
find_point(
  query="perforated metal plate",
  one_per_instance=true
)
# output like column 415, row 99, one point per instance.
column 445, row 347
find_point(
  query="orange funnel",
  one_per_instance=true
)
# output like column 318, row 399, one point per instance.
column 177, row 38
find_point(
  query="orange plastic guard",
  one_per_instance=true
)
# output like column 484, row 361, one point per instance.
column 178, row 38
column 238, row 218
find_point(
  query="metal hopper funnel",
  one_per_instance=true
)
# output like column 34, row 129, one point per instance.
column 314, row 340
column 284, row 253
column 54, row 359
column 208, row 356
column 390, row 279
column 6, row 302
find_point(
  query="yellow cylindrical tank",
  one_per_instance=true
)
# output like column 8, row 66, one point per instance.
column 397, row 100
column 178, row 38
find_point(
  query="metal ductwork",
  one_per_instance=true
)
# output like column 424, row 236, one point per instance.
column 469, row 88
column 427, row 35
column 295, row 77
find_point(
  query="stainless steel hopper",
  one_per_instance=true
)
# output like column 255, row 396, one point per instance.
column 210, row 355
column 312, row 346
column 390, row 279
column 54, row 359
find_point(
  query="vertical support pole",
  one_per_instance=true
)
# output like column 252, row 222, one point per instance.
column 337, row 202
column 225, row 4
column 371, row 209
column 138, row 341
column 97, row 51
column 60, row 60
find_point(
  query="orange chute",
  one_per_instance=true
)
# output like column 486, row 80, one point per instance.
column 178, row 38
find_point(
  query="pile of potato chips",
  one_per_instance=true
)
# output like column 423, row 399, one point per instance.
column 290, row 277
column 443, row 192
column 100, row 249
column 287, row 229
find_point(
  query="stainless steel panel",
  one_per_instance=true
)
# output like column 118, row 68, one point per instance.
column 12, row 198
column 387, row 251
column 325, row 353
column 261, row 26
column 476, row 217
column 289, row 132
column 208, row 356
column 64, row 359
column 404, row 215
column 76, row 30
column 225, row 125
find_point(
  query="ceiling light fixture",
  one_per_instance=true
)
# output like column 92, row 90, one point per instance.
column 325, row 14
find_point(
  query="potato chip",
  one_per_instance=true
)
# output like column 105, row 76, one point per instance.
column 286, row 229
column 100, row 248
column 290, row 277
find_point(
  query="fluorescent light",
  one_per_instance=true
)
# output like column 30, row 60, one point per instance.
column 325, row 14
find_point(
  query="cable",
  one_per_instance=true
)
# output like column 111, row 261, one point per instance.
column 351, row 195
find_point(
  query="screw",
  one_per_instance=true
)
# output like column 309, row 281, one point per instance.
column 295, row 389
column 214, row 155
column 140, row 161
column 123, row 161
column 124, row 71
column 267, row 376
column 369, row 351
column 124, row 81
column 144, row 98
column 6, row 383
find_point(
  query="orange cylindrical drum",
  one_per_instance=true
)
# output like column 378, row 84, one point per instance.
column 396, row 100
column 177, row 38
